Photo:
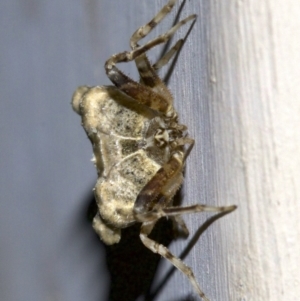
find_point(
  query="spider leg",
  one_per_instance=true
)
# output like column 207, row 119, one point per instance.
column 148, row 74
column 175, row 211
column 166, row 58
column 189, row 149
column 155, row 247
column 146, row 71
column 142, row 94
column 149, row 77
column 152, row 203
column 147, row 28
column 139, row 92
column 161, row 188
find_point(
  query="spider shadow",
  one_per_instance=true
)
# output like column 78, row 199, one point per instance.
column 131, row 265
column 188, row 298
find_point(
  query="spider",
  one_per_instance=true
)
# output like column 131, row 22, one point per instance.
column 139, row 146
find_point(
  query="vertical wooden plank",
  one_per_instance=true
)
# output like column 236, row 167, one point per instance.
column 254, row 52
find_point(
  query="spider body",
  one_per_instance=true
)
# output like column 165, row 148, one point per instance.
column 139, row 146
column 131, row 143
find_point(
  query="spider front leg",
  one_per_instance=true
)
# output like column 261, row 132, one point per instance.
column 146, row 71
column 148, row 74
column 141, row 93
column 147, row 28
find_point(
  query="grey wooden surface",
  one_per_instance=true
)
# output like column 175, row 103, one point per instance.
column 48, row 48
column 48, row 250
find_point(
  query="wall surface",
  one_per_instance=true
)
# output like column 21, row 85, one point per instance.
column 254, row 59
column 236, row 85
